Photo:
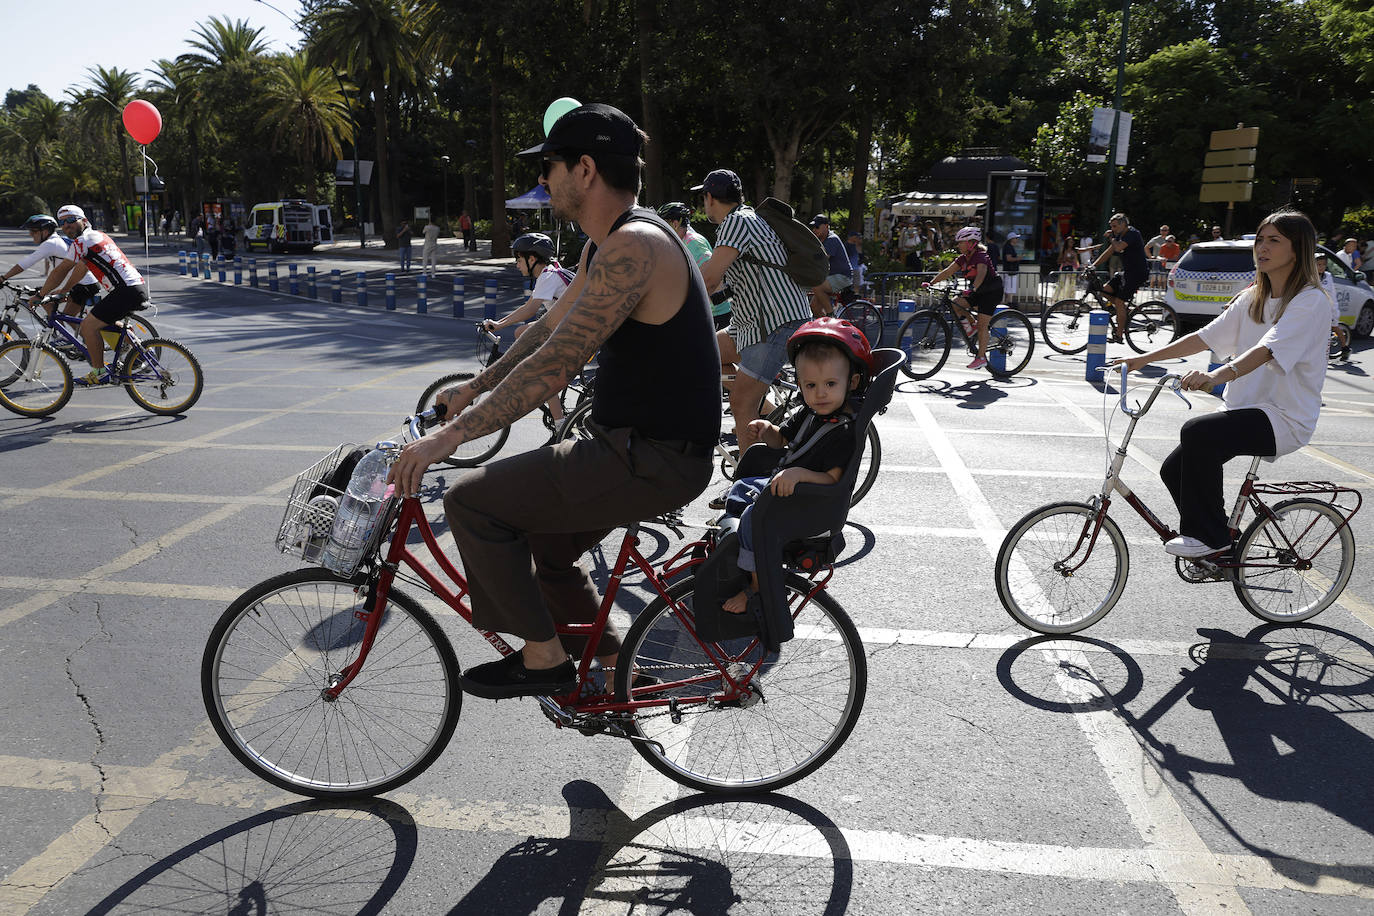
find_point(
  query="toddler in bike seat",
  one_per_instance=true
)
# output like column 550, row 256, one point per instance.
column 833, row 360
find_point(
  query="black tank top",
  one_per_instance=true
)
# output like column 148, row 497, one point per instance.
column 663, row 380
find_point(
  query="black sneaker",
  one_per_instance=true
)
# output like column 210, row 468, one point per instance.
column 507, row 678
column 717, row 503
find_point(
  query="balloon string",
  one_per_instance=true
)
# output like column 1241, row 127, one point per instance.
column 144, row 150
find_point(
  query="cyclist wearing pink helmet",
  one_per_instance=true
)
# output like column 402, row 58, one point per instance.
column 833, row 361
column 985, row 286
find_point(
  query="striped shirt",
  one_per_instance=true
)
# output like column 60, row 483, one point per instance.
column 764, row 298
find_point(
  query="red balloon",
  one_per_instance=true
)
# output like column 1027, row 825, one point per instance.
column 142, row 121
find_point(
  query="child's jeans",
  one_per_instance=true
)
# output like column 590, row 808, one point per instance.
column 739, row 502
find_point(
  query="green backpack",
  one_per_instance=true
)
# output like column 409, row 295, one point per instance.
column 807, row 263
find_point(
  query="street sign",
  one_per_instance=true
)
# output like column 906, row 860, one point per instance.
column 1231, row 192
column 1228, row 173
column 1229, row 157
column 1238, row 138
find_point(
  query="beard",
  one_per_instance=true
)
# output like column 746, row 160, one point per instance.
column 566, row 204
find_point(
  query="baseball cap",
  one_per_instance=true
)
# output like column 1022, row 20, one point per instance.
column 1013, row 234
column 71, row 210
column 721, row 180
column 820, row 219
column 591, row 128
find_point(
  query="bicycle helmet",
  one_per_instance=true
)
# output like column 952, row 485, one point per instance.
column 40, row 221
column 839, row 332
column 535, row 243
column 675, row 210
column 969, row 234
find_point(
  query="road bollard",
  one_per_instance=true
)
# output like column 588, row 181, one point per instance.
column 181, row 263
column 459, row 296
column 220, row 266
column 336, row 285
column 272, row 279
column 362, row 288
column 311, row 289
column 997, row 359
column 205, row 266
column 238, row 270
column 391, row 292
column 1215, row 362
column 253, row 272
column 489, row 300
column 421, row 295
column 293, row 283
column 1097, row 345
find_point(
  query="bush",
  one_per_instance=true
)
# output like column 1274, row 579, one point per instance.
column 20, row 206
column 1359, row 222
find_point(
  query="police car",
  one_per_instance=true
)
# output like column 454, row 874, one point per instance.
column 1210, row 274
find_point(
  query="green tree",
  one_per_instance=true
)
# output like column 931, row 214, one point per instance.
column 102, row 110
column 305, row 109
column 38, row 122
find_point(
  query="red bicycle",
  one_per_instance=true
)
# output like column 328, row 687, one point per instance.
column 335, row 685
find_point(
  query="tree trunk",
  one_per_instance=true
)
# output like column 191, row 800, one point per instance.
column 500, row 231
column 128, row 187
column 784, row 160
column 382, row 178
column 653, row 152
column 858, row 186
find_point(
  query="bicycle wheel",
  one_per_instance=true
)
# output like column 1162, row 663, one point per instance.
column 144, row 330
column 1065, row 326
column 865, row 316
column 469, row 454
column 162, row 376
column 925, row 340
column 868, row 465
column 283, row 641
column 1051, row 579
column 36, row 381
column 1149, row 325
column 574, row 425
column 12, row 333
column 802, row 705
column 1010, row 336
column 1292, row 566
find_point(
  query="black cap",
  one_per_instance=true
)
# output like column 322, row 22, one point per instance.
column 591, row 128
column 820, row 219
column 722, row 180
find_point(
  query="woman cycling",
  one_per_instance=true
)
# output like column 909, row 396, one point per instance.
column 534, row 259
column 1277, row 331
column 985, row 286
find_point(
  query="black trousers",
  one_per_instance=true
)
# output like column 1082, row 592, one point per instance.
column 1192, row 472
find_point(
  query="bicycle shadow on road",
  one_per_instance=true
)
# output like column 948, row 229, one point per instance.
column 27, row 432
column 699, row 855
column 305, row 857
column 973, row 394
column 1281, row 698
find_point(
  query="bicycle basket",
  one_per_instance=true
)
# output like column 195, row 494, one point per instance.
column 311, row 507
column 488, row 349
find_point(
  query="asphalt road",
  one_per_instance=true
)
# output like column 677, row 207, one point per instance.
column 1180, row 757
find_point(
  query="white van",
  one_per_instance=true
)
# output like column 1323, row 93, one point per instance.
column 288, row 225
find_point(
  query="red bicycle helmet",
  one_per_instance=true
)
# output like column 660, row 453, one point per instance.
column 837, row 331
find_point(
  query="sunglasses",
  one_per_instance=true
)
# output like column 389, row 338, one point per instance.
column 67, row 220
column 546, row 164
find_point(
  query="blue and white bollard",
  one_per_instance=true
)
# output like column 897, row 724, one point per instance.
column 311, row 289
column 489, row 300
column 421, row 294
column 1097, row 345
column 362, row 288
column 391, row 292
column 459, row 297
column 253, row 272
column 272, row 283
column 220, row 266
column 293, row 283
column 336, row 285
column 238, row 270
column 1215, row 362
column 997, row 360
column 905, row 307
column 205, row 266
column 181, row 262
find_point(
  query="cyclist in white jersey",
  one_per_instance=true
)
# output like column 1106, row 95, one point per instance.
column 43, row 230
column 125, row 290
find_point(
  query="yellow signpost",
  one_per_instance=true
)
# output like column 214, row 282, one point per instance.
column 1228, row 169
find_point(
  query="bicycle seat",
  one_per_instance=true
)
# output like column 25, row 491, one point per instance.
column 790, row 531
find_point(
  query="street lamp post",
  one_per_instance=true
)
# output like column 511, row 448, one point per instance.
column 447, row 224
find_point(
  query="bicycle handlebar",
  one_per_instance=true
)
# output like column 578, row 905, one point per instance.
column 1170, row 379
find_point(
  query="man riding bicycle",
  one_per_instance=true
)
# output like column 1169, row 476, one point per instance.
column 522, row 523
column 1124, row 240
column 43, row 230
column 125, row 290
column 840, row 280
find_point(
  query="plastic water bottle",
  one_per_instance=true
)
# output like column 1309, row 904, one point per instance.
column 359, row 511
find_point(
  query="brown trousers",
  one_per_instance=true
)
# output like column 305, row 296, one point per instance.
column 522, row 525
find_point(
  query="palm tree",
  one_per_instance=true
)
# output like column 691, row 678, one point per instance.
column 224, row 44
column 182, row 89
column 102, row 109
column 379, row 41
column 38, row 122
column 305, row 107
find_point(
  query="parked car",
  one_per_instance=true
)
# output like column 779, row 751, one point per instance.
column 1210, row 274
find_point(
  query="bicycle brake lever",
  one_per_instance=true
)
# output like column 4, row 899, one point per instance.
column 1177, row 389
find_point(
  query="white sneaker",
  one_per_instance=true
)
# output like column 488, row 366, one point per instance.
column 1190, row 548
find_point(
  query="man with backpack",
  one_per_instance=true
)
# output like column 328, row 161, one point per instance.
column 768, row 305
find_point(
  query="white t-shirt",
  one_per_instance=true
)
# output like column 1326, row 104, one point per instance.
column 1329, row 286
column 550, row 285
column 1085, row 258
column 431, row 233
column 1288, row 388
column 107, row 263
column 54, row 246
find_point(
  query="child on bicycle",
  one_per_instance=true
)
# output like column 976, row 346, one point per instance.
column 833, row 359
column 985, row 286
column 1328, row 285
